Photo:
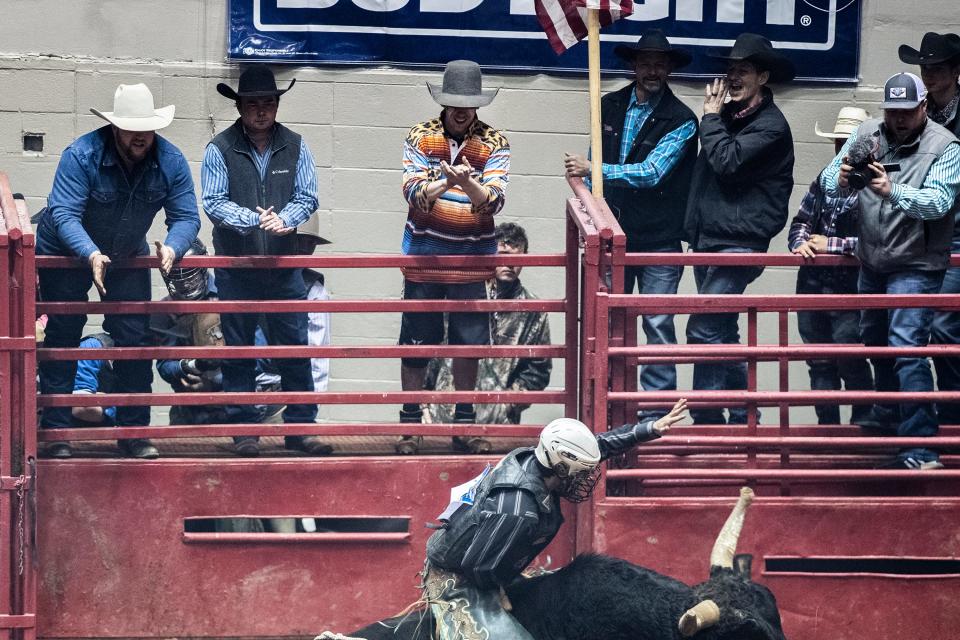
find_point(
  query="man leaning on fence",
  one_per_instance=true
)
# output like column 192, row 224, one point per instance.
column 826, row 225
column 109, row 186
column 907, row 169
column 649, row 150
column 259, row 182
column 455, row 172
column 939, row 61
column 738, row 197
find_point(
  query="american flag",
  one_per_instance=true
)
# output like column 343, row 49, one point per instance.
column 565, row 20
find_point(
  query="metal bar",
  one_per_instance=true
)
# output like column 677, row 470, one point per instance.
column 28, row 343
column 298, row 397
column 298, row 538
column 796, row 398
column 771, row 353
column 25, row 621
column 744, row 259
column 318, row 261
column 772, row 303
column 802, row 442
column 288, row 429
column 752, row 411
column 297, row 306
column 844, row 475
column 9, row 209
column 294, row 351
column 571, row 365
column 590, row 207
column 783, row 370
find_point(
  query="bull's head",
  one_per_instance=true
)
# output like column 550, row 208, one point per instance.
column 731, row 603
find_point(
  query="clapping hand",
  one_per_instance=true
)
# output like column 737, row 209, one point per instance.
column 272, row 223
column 458, row 174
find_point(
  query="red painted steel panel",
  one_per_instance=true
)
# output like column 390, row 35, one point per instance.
column 114, row 562
column 674, row 536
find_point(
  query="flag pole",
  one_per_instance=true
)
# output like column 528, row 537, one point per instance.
column 596, row 141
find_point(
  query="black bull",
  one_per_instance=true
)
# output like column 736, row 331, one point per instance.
column 599, row 597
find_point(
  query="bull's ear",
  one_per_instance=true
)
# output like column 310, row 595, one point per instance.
column 702, row 616
column 742, row 565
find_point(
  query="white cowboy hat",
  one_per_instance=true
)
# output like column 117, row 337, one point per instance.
column 133, row 110
column 848, row 120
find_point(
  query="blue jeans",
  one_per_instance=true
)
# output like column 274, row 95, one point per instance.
column 65, row 331
column 903, row 328
column 946, row 330
column 719, row 328
column 239, row 329
column 833, row 327
column 659, row 328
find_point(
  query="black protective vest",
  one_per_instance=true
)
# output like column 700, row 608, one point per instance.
column 248, row 190
column 446, row 547
column 648, row 216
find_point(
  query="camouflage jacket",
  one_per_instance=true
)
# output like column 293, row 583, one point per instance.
column 499, row 374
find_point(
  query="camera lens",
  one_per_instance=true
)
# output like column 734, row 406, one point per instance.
column 857, row 179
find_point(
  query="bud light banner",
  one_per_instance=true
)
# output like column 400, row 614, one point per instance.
column 822, row 37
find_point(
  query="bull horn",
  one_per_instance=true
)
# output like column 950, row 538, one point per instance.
column 726, row 545
column 704, row 615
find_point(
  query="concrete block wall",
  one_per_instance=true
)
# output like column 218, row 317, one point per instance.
column 59, row 59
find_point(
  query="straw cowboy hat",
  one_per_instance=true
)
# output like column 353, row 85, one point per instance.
column 133, row 110
column 462, row 86
column 848, row 120
column 312, row 228
column 934, row 49
column 257, row 81
column 753, row 47
column 654, row 40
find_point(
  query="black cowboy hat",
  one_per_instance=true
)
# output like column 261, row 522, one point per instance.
column 934, row 49
column 654, row 40
column 256, row 81
column 755, row 48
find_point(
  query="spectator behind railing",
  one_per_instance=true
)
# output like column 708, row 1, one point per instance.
column 905, row 229
column 259, row 182
column 455, row 172
column 939, row 61
column 108, row 188
column 509, row 328
column 649, row 151
column 738, row 197
column 829, row 225
column 318, row 322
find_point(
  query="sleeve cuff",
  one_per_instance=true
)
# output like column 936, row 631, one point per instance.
column 896, row 193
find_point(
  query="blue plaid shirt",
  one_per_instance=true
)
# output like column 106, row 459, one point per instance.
column 660, row 162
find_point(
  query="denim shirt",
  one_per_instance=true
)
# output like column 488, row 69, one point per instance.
column 93, row 205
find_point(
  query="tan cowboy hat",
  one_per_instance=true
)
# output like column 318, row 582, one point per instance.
column 848, row 120
column 133, row 110
column 312, row 228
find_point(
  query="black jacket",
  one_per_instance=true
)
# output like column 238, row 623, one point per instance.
column 649, row 217
column 741, row 185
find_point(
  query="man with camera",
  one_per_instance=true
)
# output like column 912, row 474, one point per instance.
column 907, row 169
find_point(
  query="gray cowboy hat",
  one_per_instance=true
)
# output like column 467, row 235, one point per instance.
column 934, row 49
column 755, row 48
column 256, row 81
column 462, row 82
column 654, row 40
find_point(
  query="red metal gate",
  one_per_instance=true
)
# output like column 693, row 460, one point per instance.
column 117, row 556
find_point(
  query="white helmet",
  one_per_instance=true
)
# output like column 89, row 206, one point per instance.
column 569, row 449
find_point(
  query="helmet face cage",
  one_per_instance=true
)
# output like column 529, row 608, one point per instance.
column 189, row 283
column 578, row 486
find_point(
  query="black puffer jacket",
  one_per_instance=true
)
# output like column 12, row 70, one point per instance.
column 740, row 192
